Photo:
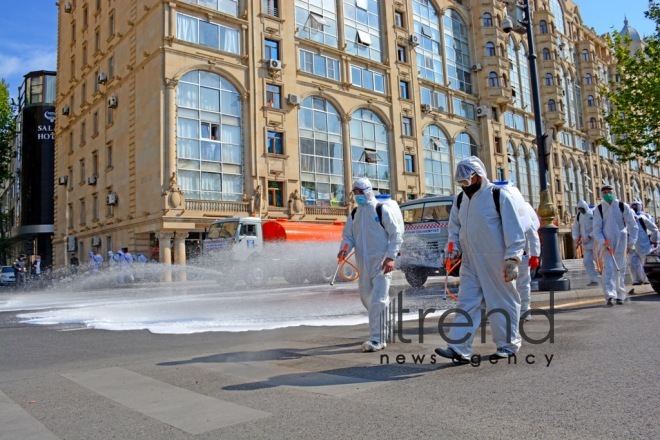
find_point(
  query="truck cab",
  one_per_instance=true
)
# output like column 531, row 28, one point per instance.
column 242, row 236
column 425, row 236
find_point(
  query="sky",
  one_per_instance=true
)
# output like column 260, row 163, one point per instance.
column 28, row 31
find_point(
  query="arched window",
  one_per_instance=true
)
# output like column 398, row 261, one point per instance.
column 513, row 166
column 558, row 12
column 579, row 183
column 490, row 49
column 549, row 79
column 369, row 149
column 321, row 151
column 585, row 55
column 437, row 162
column 546, row 54
column 457, row 50
column 523, row 174
column 362, row 28
column 430, row 62
column 591, row 101
column 569, row 187
column 592, row 123
column 493, row 80
column 543, row 27
column 552, row 106
column 464, row 147
column 209, row 137
column 487, row 19
column 534, row 175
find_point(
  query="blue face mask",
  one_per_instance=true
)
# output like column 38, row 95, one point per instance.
column 361, row 199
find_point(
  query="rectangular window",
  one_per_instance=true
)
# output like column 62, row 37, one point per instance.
column 398, row 18
column 498, row 145
column 464, row 109
column 95, row 207
column 82, row 212
column 404, row 89
column 73, row 67
column 320, row 65
column 95, row 124
column 367, row 79
column 271, row 50
column 111, row 24
column 362, row 4
column 406, row 126
column 273, row 96
column 276, row 194
column 95, row 165
column 69, row 180
column 83, row 93
column 409, row 163
column 70, row 219
column 437, row 100
column 110, row 116
column 71, row 141
column 83, row 135
column 275, row 142
column 82, row 171
column 98, row 8
column 108, row 242
column 84, row 54
column 95, row 82
column 271, row 7
column 97, row 40
column 401, row 54
column 73, row 32
column 363, row 38
column 109, row 212
column 201, row 32
column 111, row 67
column 494, row 111
column 85, row 17
column 108, row 156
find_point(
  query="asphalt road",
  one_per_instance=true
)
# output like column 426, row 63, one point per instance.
column 598, row 379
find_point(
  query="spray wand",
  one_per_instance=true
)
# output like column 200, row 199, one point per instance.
column 340, row 260
column 448, row 269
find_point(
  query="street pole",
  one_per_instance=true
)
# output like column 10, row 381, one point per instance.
column 552, row 268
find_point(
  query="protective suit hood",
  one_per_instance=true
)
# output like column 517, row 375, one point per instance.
column 582, row 204
column 364, row 184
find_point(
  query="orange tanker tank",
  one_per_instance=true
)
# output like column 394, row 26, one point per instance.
column 284, row 230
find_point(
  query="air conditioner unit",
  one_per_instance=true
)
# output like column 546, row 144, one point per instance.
column 66, row 110
column 102, row 78
column 111, row 199
column 63, row 180
column 68, row 7
column 414, row 40
column 112, row 101
column 426, row 108
column 96, row 241
column 482, row 111
column 71, row 244
column 477, row 67
column 274, row 64
column 294, row 99
column 91, row 180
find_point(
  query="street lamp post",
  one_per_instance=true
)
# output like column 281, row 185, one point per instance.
column 552, row 268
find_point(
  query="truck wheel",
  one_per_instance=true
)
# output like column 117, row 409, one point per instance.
column 257, row 277
column 324, row 274
column 416, row 277
column 294, row 278
column 656, row 287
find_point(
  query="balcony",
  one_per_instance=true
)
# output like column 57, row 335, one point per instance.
column 218, row 207
column 555, row 118
column 495, row 62
column 499, row 95
column 596, row 133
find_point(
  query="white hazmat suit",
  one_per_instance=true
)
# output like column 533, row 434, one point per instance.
column 532, row 249
column 642, row 247
column 373, row 243
column 583, row 229
column 486, row 239
column 614, row 227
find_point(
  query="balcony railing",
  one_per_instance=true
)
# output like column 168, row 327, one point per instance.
column 217, row 206
column 326, row 210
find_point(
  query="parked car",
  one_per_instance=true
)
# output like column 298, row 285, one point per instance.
column 652, row 269
column 7, row 276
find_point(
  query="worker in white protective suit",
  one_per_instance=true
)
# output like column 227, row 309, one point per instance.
column 530, row 261
column 491, row 244
column 376, row 242
column 616, row 230
column 647, row 236
column 582, row 233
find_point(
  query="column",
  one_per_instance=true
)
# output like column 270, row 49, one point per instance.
column 180, row 254
column 169, row 139
column 165, row 254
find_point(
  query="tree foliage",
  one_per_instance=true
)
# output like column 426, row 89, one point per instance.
column 7, row 132
column 635, row 118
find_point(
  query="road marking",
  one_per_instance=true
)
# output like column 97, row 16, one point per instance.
column 16, row 423
column 191, row 412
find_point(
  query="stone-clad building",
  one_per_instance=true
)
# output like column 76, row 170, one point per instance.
column 172, row 114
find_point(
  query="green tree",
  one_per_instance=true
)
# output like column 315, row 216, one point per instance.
column 635, row 118
column 7, row 132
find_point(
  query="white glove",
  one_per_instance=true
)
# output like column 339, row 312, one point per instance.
column 510, row 270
